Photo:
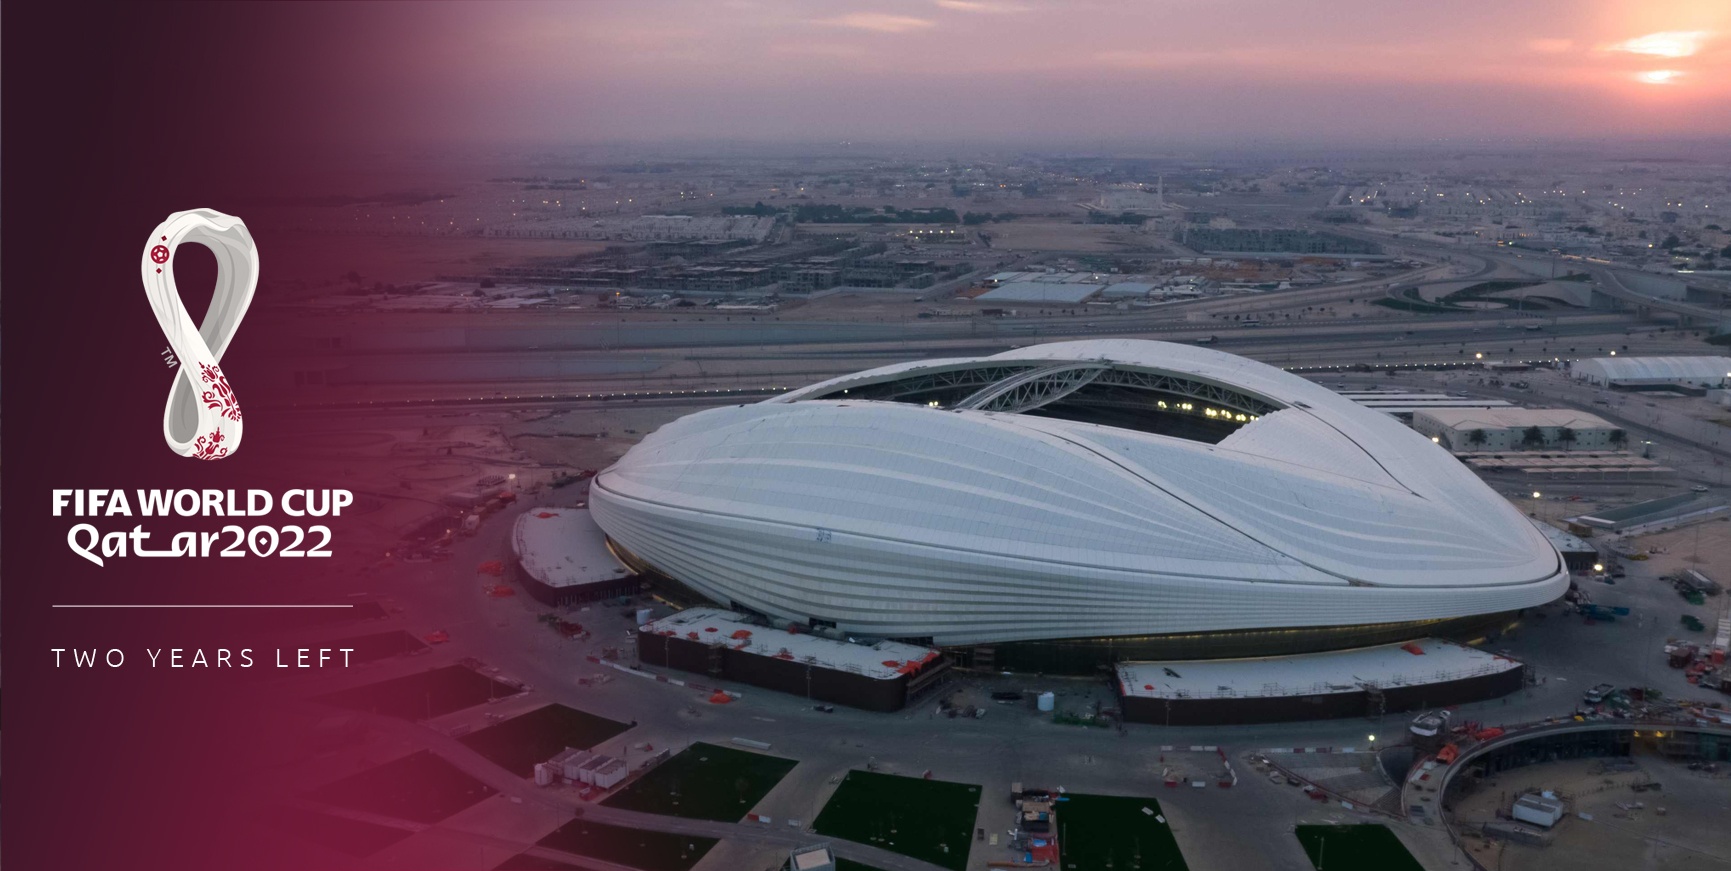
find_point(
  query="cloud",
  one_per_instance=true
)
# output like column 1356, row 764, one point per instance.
column 1550, row 46
column 818, row 49
column 979, row 6
column 879, row 22
column 1668, row 43
column 1658, row 77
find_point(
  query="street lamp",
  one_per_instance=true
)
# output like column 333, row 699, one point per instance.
column 1598, row 567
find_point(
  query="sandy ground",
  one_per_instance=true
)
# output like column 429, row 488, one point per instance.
column 1030, row 235
column 1689, row 834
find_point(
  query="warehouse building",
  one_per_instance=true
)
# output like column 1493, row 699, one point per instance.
column 881, row 676
column 1367, row 682
column 1655, row 373
column 1514, row 429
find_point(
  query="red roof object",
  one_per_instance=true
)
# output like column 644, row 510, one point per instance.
column 545, row 514
column 1147, row 686
column 710, row 629
column 1412, row 648
column 439, row 637
column 892, row 663
column 720, row 698
column 491, row 567
column 1448, row 753
column 742, row 633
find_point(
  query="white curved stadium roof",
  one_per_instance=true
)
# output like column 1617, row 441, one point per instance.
column 967, row 525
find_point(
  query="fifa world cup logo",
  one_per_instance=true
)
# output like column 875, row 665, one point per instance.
column 202, row 419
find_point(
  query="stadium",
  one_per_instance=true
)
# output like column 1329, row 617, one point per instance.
column 1066, row 505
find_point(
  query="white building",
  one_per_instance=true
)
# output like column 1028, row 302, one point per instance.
column 1655, row 371
column 1507, row 429
column 1071, row 490
column 812, row 859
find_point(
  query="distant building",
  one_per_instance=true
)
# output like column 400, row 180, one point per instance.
column 1276, row 240
column 1513, row 429
column 1636, row 373
column 1041, row 291
column 1540, row 810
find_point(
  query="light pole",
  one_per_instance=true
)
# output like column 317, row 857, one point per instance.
column 1536, row 495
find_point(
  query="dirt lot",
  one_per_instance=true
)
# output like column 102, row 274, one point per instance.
column 1690, row 834
column 1065, row 236
column 320, row 258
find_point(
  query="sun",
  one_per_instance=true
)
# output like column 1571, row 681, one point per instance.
column 1669, row 43
column 1658, row 77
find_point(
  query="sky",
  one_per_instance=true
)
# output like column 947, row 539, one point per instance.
column 1324, row 71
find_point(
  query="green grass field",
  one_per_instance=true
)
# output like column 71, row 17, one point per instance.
column 1112, row 832
column 1368, row 847
column 705, row 782
column 931, row 820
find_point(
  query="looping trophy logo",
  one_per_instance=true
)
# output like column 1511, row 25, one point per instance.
column 202, row 419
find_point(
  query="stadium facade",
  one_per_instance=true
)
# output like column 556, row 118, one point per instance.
column 1068, row 504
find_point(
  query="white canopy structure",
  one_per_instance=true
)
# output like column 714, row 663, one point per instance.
column 1071, row 490
column 1640, row 371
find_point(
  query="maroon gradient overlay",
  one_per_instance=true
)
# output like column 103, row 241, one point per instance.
column 116, row 116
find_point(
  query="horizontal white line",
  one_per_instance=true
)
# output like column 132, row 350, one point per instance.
column 203, row 606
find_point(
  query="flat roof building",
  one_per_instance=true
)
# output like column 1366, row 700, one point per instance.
column 1041, row 291
column 880, row 676
column 1347, row 683
column 1513, row 429
column 562, row 558
column 812, row 859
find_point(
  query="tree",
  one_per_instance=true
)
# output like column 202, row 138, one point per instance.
column 1533, row 436
column 1476, row 437
column 1671, row 242
column 1566, row 437
column 1619, row 438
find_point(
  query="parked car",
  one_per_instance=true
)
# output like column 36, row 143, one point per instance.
column 1598, row 694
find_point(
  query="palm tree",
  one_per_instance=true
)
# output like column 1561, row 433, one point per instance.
column 1566, row 437
column 1532, row 437
column 1618, row 438
column 1476, row 437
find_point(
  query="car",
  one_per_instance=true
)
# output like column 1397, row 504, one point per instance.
column 1598, row 694
column 1699, row 488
